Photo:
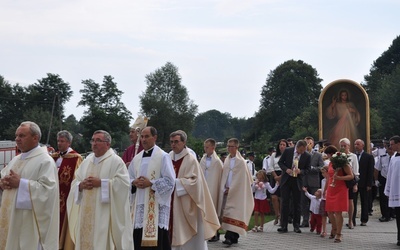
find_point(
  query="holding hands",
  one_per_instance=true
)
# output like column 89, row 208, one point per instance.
column 89, row 183
column 142, row 182
column 10, row 181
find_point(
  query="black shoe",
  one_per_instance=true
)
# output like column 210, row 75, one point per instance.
column 297, row 230
column 214, row 239
column 227, row 242
column 282, row 230
column 383, row 219
column 304, row 225
column 398, row 243
column 363, row 224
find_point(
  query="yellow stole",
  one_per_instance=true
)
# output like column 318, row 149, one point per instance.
column 88, row 207
column 8, row 205
column 150, row 218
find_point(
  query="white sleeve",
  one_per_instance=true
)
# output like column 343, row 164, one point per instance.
column 105, row 191
column 23, row 196
column 271, row 164
column 265, row 164
column 180, row 190
column 77, row 195
column 270, row 189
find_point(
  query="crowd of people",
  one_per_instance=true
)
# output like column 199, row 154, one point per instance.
column 314, row 189
column 152, row 199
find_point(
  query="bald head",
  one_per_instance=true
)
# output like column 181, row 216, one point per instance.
column 359, row 145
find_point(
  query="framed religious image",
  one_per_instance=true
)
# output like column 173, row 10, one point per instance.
column 344, row 113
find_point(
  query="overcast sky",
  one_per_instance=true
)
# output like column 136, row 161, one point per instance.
column 224, row 49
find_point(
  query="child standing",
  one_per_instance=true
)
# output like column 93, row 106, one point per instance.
column 261, row 205
column 316, row 218
column 322, row 212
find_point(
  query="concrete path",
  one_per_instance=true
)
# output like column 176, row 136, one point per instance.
column 376, row 235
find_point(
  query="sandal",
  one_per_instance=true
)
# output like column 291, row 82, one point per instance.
column 338, row 238
column 254, row 229
column 276, row 219
column 260, row 229
column 323, row 234
column 333, row 233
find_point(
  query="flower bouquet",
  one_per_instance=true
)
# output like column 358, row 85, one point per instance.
column 339, row 160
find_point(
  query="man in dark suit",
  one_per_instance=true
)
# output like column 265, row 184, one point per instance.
column 295, row 163
column 311, row 180
column 366, row 164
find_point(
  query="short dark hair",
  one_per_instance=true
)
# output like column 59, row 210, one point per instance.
column 153, row 130
column 301, row 143
column 330, row 149
column 309, row 138
column 395, row 138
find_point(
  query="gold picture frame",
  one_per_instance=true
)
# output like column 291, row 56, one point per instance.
column 340, row 116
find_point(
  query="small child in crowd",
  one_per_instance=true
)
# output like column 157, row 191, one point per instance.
column 322, row 212
column 316, row 218
column 261, row 205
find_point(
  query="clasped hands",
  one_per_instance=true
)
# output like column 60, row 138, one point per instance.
column 89, row 183
column 142, row 182
column 290, row 171
column 10, row 181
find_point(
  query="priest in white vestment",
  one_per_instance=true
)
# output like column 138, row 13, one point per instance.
column 236, row 201
column 194, row 219
column 153, row 181
column 392, row 187
column 211, row 166
column 29, row 212
column 98, row 204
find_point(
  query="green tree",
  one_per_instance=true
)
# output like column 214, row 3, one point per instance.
column 50, row 93
column 166, row 102
column 381, row 68
column 75, row 128
column 212, row 124
column 388, row 98
column 384, row 75
column 289, row 90
column 104, row 110
column 306, row 124
column 12, row 106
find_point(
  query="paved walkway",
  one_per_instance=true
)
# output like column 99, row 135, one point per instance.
column 376, row 235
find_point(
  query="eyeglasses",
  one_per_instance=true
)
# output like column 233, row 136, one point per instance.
column 174, row 142
column 93, row 141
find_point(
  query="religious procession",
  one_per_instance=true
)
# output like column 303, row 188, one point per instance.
column 153, row 199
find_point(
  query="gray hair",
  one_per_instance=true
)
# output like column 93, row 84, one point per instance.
column 107, row 136
column 181, row 134
column 67, row 135
column 345, row 140
column 34, row 128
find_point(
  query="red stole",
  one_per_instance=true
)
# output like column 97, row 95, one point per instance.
column 66, row 173
column 177, row 165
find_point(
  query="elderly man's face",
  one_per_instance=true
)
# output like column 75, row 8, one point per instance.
column 99, row 144
column 24, row 139
column 177, row 144
column 63, row 144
